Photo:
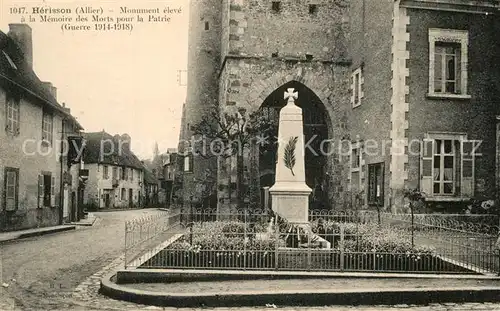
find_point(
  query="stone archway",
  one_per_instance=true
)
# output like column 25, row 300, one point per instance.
column 261, row 90
column 316, row 131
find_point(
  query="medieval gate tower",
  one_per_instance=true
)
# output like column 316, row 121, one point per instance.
column 245, row 54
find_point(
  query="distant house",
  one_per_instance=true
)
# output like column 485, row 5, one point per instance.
column 168, row 172
column 115, row 173
column 150, row 188
column 38, row 186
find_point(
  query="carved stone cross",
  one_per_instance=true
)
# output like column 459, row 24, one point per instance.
column 291, row 95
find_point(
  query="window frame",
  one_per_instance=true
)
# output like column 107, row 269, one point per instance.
column 374, row 200
column 276, row 6
column 15, row 107
column 447, row 36
column 8, row 170
column 356, row 146
column 313, row 9
column 463, row 185
column 47, row 133
column 357, row 82
column 105, row 172
column 442, row 154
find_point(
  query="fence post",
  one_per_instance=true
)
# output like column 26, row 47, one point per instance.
column 125, row 251
column 191, row 221
column 309, row 255
column 341, row 245
column 276, row 243
column 245, row 240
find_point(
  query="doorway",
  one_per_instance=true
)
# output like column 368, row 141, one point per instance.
column 73, row 207
column 106, row 200
column 47, row 180
column 130, row 198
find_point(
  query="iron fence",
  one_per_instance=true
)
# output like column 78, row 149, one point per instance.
column 144, row 233
column 331, row 241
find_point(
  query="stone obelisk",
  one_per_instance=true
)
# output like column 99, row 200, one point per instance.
column 290, row 193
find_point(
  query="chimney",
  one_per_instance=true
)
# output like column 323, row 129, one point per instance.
column 21, row 34
column 66, row 109
column 52, row 89
column 125, row 141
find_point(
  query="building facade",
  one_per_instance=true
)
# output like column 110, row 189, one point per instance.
column 404, row 93
column 38, row 180
column 424, row 100
column 246, row 54
column 115, row 174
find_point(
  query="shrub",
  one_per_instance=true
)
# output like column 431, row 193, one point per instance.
column 224, row 235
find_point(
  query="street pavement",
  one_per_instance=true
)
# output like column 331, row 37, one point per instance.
column 62, row 272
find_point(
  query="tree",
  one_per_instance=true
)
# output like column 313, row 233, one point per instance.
column 414, row 196
column 231, row 133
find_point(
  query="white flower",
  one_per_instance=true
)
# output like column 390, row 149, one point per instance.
column 486, row 205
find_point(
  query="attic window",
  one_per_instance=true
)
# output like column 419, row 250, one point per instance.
column 276, row 6
column 207, row 26
column 11, row 63
column 313, row 9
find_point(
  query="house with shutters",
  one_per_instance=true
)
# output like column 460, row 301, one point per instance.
column 115, row 174
column 38, row 178
column 424, row 101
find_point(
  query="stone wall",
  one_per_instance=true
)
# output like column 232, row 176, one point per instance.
column 255, row 29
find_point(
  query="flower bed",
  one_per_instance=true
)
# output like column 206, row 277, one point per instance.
column 355, row 247
column 218, row 244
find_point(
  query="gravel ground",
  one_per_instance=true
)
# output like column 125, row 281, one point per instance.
column 314, row 284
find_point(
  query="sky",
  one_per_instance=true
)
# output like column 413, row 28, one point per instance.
column 117, row 80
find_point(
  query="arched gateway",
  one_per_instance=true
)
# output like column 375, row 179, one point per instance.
column 316, row 132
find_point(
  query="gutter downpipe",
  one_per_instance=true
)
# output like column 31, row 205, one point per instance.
column 61, row 182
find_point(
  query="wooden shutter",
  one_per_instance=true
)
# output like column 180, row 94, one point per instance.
column 40, row 191
column 52, row 191
column 426, row 166
column 467, row 168
column 10, row 190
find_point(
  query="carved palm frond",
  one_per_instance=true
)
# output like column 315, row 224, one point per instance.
column 289, row 154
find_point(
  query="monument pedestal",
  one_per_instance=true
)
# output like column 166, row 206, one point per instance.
column 291, row 201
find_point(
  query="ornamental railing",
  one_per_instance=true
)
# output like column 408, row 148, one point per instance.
column 331, row 241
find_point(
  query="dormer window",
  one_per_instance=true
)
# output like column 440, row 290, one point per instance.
column 11, row 63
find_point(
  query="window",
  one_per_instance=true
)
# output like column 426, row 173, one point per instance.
column 132, row 174
column 123, row 194
column 11, row 189
column 444, row 167
column 123, row 173
column 115, row 172
column 313, row 9
column 357, row 87
column 46, row 190
column 207, row 26
column 447, row 165
column 105, row 173
column 47, row 127
column 276, row 6
column 355, row 158
column 376, row 184
column 188, row 163
column 448, row 63
column 12, row 115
